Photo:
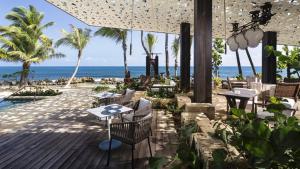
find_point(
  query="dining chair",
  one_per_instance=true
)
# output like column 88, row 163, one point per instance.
column 131, row 133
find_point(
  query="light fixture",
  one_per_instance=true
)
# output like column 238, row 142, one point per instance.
column 250, row 35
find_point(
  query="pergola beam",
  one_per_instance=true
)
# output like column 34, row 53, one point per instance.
column 203, row 51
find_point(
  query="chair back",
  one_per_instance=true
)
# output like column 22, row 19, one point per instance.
column 144, row 107
column 229, row 83
column 129, row 94
column 142, row 129
column 289, row 90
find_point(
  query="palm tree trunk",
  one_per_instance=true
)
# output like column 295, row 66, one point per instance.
column 143, row 44
column 167, row 56
column 239, row 63
column 76, row 69
column 24, row 74
column 251, row 62
column 125, row 57
column 176, row 66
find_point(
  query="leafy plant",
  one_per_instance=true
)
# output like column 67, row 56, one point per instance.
column 239, row 77
column 160, row 94
column 101, row 88
column 217, row 81
column 258, row 143
column 49, row 92
column 217, row 51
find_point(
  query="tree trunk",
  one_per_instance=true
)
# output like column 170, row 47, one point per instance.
column 24, row 74
column 251, row 62
column 167, row 56
column 125, row 57
column 239, row 63
column 176, row 66
column 76, row 69
column 143, row 44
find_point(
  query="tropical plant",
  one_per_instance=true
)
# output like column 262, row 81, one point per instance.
column 259, row 144
column 118, row 35
column 143, row 44
column 175, row 50
column 218, row 50
column 167, row 54
column 24, row 41
column 77, row 39
column 286, row 59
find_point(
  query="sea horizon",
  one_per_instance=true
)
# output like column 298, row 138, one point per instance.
column 58, row 72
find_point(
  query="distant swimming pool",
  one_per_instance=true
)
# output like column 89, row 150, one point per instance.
column 6, row 104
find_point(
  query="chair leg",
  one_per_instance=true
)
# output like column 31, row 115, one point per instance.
column 108, row 157
column 132, row 156
column 149, row 146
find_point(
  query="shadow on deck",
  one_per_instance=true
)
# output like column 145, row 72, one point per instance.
column 61, row 142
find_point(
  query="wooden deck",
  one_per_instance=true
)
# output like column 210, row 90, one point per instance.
column 69, row 139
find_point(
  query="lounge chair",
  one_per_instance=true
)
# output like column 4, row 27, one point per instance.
column 288, row 93
column 131, row 133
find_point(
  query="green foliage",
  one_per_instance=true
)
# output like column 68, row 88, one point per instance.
column 101, row 88
column 162, row 93
column 218, row 50
column 217, row 81
column 49, row 92
column 239, row 77
column 261, row 145
column 173, row 107
column 286, row 58
column 156, row 162
column 24, row 41
column 150, row 40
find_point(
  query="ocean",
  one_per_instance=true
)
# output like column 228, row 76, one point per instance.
column 56, row 72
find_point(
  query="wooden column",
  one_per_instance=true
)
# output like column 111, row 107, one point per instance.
column 185, row 56
column 269, row 62
column 203, row 51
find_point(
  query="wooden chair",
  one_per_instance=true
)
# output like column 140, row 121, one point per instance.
column 233, row 83
column 131, row 133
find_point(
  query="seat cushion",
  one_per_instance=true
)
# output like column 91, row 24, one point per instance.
column 289, row 103
column 128, row 117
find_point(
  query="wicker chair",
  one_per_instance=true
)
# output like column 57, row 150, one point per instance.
column 131, row 133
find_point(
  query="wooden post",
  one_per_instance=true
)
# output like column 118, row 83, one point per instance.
column 269, row 62
column 185, row 57
column 203, row 51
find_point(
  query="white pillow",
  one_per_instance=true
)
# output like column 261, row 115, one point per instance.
column 144, row 103
column 128, row 95
column 172, row 83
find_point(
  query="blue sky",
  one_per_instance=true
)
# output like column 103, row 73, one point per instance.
column 102, row 51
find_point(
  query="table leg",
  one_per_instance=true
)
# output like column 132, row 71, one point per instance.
column 104, row 145
column 243, row 103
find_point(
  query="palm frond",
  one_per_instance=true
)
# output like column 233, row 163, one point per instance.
column 115, row 34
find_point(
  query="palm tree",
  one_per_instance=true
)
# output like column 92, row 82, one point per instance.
column 150, row 40
column 24, row 41
column 175, row 50
column 77, row 39
column 143, row 44
column 120, row 36
column 167, row 54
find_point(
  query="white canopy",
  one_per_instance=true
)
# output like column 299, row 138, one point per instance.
column 166, row 15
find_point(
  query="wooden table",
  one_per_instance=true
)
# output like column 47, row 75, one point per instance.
column 108, row 112
column 231, row 98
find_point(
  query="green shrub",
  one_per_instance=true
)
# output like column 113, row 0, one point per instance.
column 48, row 92
column 101, row 88
column 217, row 81
column 160, row 94
column 261, row 145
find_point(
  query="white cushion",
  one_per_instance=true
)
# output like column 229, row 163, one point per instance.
column 289, row 103
column 128, row 117
column 143, row 103
column 144, row 107
column 172, row 83
column 128, row 95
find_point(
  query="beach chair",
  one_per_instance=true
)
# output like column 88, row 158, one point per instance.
column 131, row 133
column 126, row 97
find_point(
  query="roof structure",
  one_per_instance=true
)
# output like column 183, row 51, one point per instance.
column 166, row 15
